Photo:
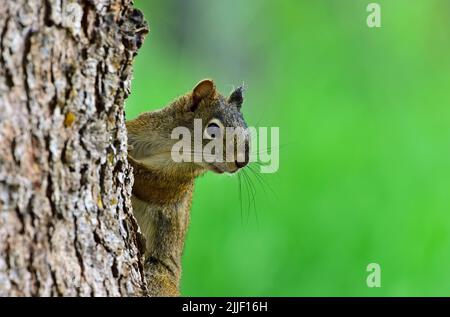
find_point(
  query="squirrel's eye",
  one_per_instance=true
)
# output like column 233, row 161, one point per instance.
column 212, row 130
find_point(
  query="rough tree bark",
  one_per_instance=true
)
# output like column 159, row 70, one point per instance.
column 66, row 224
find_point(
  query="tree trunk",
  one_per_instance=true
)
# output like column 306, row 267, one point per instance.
column 66, row 223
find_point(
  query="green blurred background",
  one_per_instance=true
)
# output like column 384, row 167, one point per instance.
column 364, row 123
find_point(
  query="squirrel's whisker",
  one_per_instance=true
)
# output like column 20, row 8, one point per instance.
column 240, row 194
column 263, row 180
column 252, row 193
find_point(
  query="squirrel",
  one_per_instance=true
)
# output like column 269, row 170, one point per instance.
column 162, row 189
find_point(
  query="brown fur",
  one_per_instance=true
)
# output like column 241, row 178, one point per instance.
column 162, row 190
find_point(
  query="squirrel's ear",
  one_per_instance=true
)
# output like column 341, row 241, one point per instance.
column 203, row 89
column 237, row 97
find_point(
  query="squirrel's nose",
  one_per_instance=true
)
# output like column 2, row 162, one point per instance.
column 241, row 164
column 246, row 158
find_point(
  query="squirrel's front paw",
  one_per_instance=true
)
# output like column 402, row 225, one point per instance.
column 162, row 285
column 161, row 282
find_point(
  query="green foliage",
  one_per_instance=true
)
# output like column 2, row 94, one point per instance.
column 364, row 123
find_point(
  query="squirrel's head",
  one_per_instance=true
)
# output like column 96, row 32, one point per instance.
column 202, row 130
column 223, row 127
